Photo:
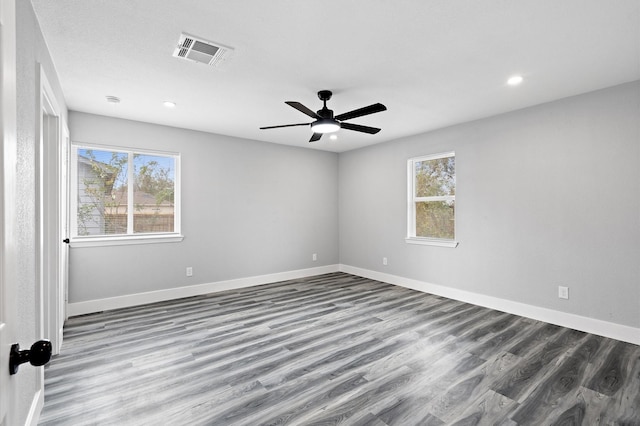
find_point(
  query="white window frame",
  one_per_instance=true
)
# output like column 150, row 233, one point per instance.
column 129, row 238
column 412, row 200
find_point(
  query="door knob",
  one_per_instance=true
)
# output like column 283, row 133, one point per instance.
column 66, row 240
column 39, row 354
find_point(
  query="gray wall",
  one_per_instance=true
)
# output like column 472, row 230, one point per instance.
column 248, row 209
column 31, row 53
column 546, row 196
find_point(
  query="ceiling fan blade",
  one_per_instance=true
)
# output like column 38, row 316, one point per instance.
column 371, row 109
column 315, row 137
column 359, row 128
column 303, row 109
column 284, row 125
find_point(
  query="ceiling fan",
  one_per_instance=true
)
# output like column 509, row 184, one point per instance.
column 326, row 122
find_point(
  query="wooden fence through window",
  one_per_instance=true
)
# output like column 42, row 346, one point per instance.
column 142, row 223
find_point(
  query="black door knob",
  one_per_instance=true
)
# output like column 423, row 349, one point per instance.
column 39, row 354
column 66, row 240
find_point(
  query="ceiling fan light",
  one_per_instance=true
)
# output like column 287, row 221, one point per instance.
column 325, row 125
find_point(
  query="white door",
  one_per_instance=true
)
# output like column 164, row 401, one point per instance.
column 8, row 271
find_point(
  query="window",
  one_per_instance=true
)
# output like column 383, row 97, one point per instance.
column 121, row 195
column 432, row 198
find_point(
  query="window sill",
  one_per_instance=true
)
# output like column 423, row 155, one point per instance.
column 125, row 240
column 431, row 242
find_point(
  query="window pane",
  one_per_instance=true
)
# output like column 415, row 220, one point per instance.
column 435, row 177
column 102, row 179
column 435, row 219
column 154, row 191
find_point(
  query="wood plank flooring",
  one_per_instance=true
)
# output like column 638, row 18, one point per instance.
column 335, row 349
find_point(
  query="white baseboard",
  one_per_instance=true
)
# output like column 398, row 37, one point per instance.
column 590, row 325
column 91, row 306
column 577, row 322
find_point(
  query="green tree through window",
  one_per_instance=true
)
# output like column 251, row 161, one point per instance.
column 432, row 197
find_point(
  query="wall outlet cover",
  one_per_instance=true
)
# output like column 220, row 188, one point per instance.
column 563, row 292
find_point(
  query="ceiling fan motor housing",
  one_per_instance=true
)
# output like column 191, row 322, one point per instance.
column 326, row 113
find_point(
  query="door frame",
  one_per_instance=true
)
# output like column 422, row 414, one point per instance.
column 64, row 226
column 50, row 273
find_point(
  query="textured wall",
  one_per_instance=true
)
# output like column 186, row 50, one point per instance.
column 31, row 54
column 248, row 209
column 546, row 196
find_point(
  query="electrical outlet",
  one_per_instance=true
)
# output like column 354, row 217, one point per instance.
column 563, row 292
column 384, row 261
column 189, row 271
column 314, row 257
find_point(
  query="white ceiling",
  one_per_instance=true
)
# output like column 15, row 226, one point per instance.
column 433, row 63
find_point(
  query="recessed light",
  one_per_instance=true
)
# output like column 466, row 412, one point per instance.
column 169, row 104
column 515, row 80
column 333, row 137
column 113, row 99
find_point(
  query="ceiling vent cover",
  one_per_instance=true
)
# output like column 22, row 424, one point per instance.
column 199, row 50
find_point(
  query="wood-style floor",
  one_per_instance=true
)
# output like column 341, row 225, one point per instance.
column 335, row 349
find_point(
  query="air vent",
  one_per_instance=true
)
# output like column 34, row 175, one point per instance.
column 198, row 50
